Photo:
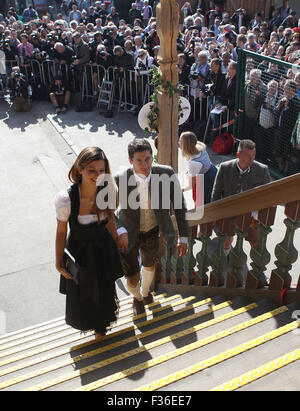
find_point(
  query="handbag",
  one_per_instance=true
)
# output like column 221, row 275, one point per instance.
column 223, row 144
column 71, row 266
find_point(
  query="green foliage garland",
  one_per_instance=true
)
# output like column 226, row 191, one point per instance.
column 168, row 88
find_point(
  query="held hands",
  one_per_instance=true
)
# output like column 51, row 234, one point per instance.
column 122, row 242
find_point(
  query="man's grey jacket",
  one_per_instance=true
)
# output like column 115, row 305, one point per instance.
column 230, row 181
column 165, row 193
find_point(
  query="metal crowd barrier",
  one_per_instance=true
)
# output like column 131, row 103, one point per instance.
column 130, row 91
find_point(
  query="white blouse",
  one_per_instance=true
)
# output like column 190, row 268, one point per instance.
column 194, row 167
column 63, row 209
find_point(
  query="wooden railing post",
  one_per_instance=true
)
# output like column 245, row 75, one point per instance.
column 165, row 264
column 176, row 268
column 203, row 260
column 259, row 253
column 237, row 256
column 189, row 263
column 224, row 228
column 285, row 251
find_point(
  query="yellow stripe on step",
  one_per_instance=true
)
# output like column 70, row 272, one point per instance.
column 202, row 365
column 108, row 336
column 148, row 364
column 148, row 333
column 73, row 331
column 259, row 372
column 56, row 322
column 62, row 326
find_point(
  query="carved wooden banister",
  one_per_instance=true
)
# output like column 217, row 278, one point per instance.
column 279, row 192
column 230, row 216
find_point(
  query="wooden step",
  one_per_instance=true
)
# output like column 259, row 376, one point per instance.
column 170, row 347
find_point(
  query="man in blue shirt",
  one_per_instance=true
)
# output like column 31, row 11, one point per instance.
column 29, row 14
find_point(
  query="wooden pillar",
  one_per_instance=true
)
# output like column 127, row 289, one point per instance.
column 167, row 15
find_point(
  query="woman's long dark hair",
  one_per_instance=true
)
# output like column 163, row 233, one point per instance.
column 87, row 156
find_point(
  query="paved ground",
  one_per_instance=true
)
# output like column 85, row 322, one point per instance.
column 36, row 151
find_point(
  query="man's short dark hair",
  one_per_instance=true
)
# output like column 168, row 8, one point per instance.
column 246, row 144
column 137, row 146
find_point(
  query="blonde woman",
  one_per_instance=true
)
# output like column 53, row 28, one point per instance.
column 198, row 163
column 92, row 304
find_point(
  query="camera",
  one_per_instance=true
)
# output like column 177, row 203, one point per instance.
column 102, row 53
column 141, row 67
column 5, row 44
column 36, row 52
column 209, row 89
column 194, row 75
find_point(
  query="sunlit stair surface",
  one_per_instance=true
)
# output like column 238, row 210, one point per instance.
column 182, row 343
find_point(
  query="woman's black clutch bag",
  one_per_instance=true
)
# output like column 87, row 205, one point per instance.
column 71, row 266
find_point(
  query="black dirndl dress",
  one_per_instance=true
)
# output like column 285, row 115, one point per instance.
column 93, row 304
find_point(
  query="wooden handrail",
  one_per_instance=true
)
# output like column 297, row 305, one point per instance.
column 283, row 191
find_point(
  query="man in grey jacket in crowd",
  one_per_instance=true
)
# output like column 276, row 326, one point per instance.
column 239, row 175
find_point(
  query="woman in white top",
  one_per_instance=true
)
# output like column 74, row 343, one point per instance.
column 93, row 304
column 198, row 163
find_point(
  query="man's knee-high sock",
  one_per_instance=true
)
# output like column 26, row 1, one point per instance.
column 147, row 278
column 135, row 291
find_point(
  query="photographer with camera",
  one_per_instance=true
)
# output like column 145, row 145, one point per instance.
column 143, row 65
column 122, row 60
column 152, row 40
column 63, row 57
column 103, row 59
column 19, row 90
column 10, row 54
column 49, row 46
column 60, row 94
column 94, row 43
column 112, row 38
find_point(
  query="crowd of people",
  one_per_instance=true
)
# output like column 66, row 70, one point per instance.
column 123, row 35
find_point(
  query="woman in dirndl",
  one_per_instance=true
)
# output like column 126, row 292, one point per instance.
column 92, row 304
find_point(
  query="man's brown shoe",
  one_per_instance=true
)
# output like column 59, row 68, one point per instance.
column 138, row 307
column 149, row 299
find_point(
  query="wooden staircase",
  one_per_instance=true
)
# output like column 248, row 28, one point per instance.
column 184, row 342
column 201, row 332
